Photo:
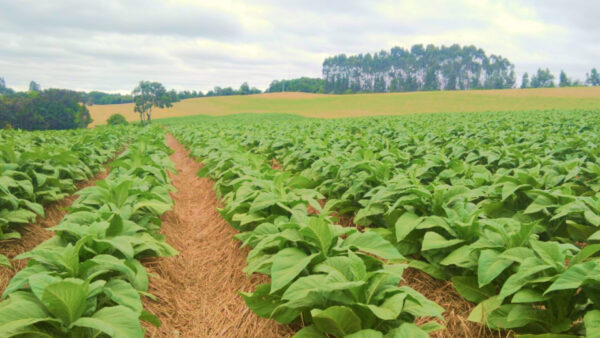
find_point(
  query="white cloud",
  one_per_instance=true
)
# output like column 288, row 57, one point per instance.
column 188, row 44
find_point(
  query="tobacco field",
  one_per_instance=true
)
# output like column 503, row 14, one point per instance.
column 503, row 205
column 332, row 213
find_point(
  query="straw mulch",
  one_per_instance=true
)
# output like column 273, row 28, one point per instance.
column 457, row 308
column 197, row 289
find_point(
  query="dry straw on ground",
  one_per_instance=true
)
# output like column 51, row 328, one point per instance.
column 457, row 308
column 197, row 289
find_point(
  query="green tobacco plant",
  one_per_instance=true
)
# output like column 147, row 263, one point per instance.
column 504, row 205
column 87, row 281
column 320, row 272
column 37, row 168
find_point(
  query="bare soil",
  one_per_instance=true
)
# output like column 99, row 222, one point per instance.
column 197, row 289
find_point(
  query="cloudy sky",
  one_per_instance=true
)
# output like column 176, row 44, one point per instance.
column 110, row 45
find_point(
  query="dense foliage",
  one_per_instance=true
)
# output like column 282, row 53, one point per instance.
column 48, row 109
column 96, row 97
column 504, row 205
column 341, row 281
column 421, row 68
column 303, row 84
column 87, row 280
column 37, row 168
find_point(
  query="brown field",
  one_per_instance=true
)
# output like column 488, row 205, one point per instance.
column 331, row 106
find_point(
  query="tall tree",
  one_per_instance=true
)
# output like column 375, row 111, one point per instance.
column 564, row 81
column 542, row 79
column 593, row 78
column 3, row 88
column 525, row 81
column 244, row 89
column 148, row 95
column 34, row 87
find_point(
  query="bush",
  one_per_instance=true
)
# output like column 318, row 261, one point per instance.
column 116, row 119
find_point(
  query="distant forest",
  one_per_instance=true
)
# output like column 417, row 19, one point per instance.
column 97, row 97
column 420, row 68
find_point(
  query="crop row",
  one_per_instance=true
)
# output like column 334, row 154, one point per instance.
column 87, row 280
column 338, row 281
column 41, row 167
column 504, row 205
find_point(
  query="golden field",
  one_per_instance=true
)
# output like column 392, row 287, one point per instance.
column 331, row 106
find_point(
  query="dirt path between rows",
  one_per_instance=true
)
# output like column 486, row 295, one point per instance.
column 197, row 289
column 35, row 233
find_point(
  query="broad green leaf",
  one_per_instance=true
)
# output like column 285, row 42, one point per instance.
column 122, row 293
column 585, row 253
column 115, row 321
column 592, row 323
column 528, row 296
column 462, row 257
column 490, row 265
column 261, row 301
column 407, row 330
column 150, row 318
column 390, row 309
column 574, row 276
column 320, row 232
column 310, row 331
column 287, row 265
column 540, row 203
column 430, row 269
column 526, row 273
column 482, row 311
column 549, row 252
column 304, row 285
column 263, row 201
column 468, row 288
column 372, row 243
column 156, row 207
column 406, row 224
column 336, row 320
column 19, row 311
column 592, row 217
column 433, row 240
column 66, row 299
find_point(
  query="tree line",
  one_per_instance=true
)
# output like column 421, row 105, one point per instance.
column 544, row 78
column 303, row 84
column 101, row 98
column 420, row 68
column 40, row 109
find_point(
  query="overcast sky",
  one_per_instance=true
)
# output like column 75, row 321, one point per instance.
column 110, row 45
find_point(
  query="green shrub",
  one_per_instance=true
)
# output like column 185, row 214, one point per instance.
column 116, row 119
